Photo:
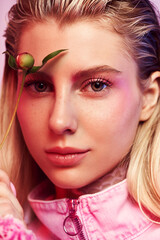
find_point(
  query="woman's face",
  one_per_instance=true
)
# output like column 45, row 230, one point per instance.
column 80, row 112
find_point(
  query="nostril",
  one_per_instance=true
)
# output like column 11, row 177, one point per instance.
column 69, row 131
column 61, row 127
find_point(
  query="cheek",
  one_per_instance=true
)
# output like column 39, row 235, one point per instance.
column 112, row 120
column 26, row 116
column 32, row 120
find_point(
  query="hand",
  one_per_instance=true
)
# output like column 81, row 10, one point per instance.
column 8, row 201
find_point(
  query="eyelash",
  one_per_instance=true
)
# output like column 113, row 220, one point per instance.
column 92, row 81
column 33, row 83
column 103, row 85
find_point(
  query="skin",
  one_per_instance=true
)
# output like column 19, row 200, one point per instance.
column 69, row 112
column 8, row 201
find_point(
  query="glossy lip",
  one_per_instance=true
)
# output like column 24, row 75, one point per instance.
column 67, row 156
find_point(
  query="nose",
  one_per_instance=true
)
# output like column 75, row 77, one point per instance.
column 62, row 118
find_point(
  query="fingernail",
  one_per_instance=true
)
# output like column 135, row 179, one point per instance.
column 13, row 188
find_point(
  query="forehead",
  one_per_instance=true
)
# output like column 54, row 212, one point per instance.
column 85, row 40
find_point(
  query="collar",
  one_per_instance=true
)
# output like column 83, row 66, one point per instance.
column 109, row 214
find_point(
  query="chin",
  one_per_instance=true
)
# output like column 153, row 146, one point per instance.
column 68, row 184
column 70, row 178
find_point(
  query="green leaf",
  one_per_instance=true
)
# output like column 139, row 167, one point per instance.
column 34, row 69
column 52, row 55
column 45, row 60
column 11, row 61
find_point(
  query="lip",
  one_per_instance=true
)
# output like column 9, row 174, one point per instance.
column 67, row 156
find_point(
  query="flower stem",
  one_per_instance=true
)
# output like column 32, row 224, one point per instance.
column 15, row 110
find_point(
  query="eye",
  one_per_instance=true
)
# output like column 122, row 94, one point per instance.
column 39, row 86
column 95, row 85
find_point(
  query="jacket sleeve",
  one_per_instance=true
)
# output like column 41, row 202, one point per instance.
column 12, row 228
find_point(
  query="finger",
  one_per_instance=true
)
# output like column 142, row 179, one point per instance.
column 4, row 177
column 7, row 208
column 13, row 189
column 6, row 195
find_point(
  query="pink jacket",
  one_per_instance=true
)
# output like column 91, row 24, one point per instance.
column 107, row 215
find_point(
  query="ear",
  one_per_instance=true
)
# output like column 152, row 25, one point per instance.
column 150, row 96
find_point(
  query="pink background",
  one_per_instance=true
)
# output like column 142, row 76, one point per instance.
column 4, row 7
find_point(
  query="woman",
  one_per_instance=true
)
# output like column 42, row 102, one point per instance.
column 87, row 120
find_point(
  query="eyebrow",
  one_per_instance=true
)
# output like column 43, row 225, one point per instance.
column 95, row 70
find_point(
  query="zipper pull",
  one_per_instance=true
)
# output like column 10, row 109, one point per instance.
column 72, row 219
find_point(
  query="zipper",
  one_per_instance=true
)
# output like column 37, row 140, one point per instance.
column 73, row 219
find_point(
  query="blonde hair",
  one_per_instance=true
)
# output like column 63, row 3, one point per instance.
column 137, row 23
